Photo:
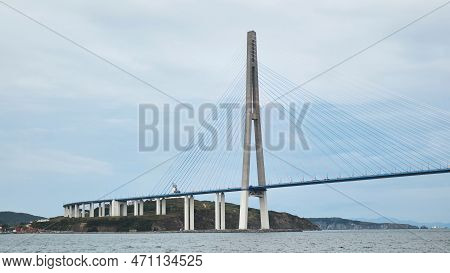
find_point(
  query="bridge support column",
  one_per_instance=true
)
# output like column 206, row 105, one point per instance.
column 163, row 206
column 136, row 208
column 77, row 211
column 124, row 209
column 101, row 209
column 141, row 207
column 70, row 211
column 158, row 206
column 243, row 213
column 222, row 211
column 217, row 211
column 91, row 210
column 113, row 208
column 118, row 208
column 83, row 211
column 191, row 212
column 109, row 206
column 186, row 212
column 264, row 212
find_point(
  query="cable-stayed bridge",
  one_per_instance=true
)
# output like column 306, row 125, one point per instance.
column 392, row 136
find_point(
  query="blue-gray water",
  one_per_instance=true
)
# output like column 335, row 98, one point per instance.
column 315, row 241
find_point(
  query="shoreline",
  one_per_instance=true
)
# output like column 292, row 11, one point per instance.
column 221, row 231
column 166, row 231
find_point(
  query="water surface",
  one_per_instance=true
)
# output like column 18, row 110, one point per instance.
column 313, row 241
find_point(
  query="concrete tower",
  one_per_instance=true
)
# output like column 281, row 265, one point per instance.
column 252, row 113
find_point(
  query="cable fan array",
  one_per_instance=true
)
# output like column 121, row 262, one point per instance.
column 307, row 137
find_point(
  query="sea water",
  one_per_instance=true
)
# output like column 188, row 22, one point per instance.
column 310, row 241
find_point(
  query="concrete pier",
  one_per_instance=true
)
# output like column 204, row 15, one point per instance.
column 163, row 206
column 141, row 207
column 83, row 211
column 222, row 211
column 217, row 211
column 191, row 212
column 118, row 208
column 101, row 210
column 264, row 212
column 124, row 209
column 91, row 210
column 113, row 208
column 77, row 211
column 158, row 206
column 186, row 213
column 136, row 208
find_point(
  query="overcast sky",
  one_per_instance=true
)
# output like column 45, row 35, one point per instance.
column 69, row 120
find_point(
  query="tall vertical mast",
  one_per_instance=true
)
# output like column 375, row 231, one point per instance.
column 252, row 109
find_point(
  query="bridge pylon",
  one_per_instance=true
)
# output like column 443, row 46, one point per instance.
column 252, row 113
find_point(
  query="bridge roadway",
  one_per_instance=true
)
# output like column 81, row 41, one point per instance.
column 272, row 186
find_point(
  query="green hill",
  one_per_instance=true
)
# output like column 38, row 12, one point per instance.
column 174, row 220
column 345, row 224
column 14, row 218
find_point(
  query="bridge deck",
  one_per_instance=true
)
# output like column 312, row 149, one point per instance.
column 279, row 185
